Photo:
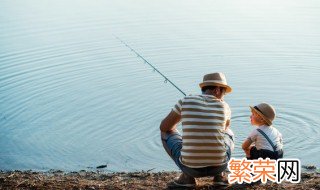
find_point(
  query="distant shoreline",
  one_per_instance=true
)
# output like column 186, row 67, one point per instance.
column 125, row 180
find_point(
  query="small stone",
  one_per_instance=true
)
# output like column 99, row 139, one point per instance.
column 309, row 167
column 101, row 166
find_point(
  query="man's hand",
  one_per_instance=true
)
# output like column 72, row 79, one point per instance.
column 170, row 122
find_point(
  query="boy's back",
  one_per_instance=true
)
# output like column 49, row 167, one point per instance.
column 261, row 142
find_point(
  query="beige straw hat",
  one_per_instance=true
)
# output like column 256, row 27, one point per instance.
column 215, row 79
column 266, row 111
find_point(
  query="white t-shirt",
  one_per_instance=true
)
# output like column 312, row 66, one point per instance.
column 261, row 142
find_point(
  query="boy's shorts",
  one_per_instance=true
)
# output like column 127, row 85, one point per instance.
column 263, row 153
column 172, row 142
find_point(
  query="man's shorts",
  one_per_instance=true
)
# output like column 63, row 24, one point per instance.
column 172, row 142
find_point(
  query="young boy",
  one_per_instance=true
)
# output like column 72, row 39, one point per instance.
column 265, row 141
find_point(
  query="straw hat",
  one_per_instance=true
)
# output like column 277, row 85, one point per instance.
column 215, row 79
column 266, row 111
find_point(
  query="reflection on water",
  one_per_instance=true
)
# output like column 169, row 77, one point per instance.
column 73, row 97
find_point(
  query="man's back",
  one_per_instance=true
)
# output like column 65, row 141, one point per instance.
column 203, row 123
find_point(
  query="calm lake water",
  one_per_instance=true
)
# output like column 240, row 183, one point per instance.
column 73, row 97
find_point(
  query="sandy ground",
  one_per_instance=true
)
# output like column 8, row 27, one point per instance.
column 137, row 180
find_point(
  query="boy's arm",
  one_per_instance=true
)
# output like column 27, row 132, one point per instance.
column 252, row 138
column 246, row 144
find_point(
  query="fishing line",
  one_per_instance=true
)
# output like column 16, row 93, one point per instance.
column 154, row 68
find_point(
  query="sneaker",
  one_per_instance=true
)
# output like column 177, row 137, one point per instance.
column 220, row 180
column 183, row 181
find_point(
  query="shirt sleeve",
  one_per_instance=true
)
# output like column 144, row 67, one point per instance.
column 280, row 138
column 228, row 112
column 177, row 108
column 253, row 135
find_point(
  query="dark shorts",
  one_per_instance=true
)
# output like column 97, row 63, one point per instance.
column 172, row 143
column 263, row 153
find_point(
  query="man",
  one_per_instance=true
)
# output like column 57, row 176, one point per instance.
column 204, row 148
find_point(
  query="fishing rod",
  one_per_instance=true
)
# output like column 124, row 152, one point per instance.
column 154, row 68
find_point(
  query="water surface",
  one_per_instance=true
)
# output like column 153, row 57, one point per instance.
column 73, row 97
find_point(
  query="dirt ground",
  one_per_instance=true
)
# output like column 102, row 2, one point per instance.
column 136, row 180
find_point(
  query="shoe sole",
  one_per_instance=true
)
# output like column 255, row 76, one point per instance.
column 175, row 184
column 220, row 184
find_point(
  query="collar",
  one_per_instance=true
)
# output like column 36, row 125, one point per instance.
column 264, row 126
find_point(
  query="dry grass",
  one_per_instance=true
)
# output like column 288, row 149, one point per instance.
column 136, row 180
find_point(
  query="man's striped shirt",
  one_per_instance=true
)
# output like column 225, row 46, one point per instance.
column 203, row 120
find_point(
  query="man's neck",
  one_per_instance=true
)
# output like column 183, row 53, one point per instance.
column 209, row 94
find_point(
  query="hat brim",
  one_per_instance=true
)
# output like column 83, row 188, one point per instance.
column 228, row 88
column 261, row 114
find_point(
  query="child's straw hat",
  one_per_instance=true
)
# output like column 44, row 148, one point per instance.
column 266, row 111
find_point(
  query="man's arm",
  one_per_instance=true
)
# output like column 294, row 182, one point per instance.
column 170, row 122
column 228, row 124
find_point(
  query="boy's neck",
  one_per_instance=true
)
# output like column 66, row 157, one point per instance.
column 263, row 125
